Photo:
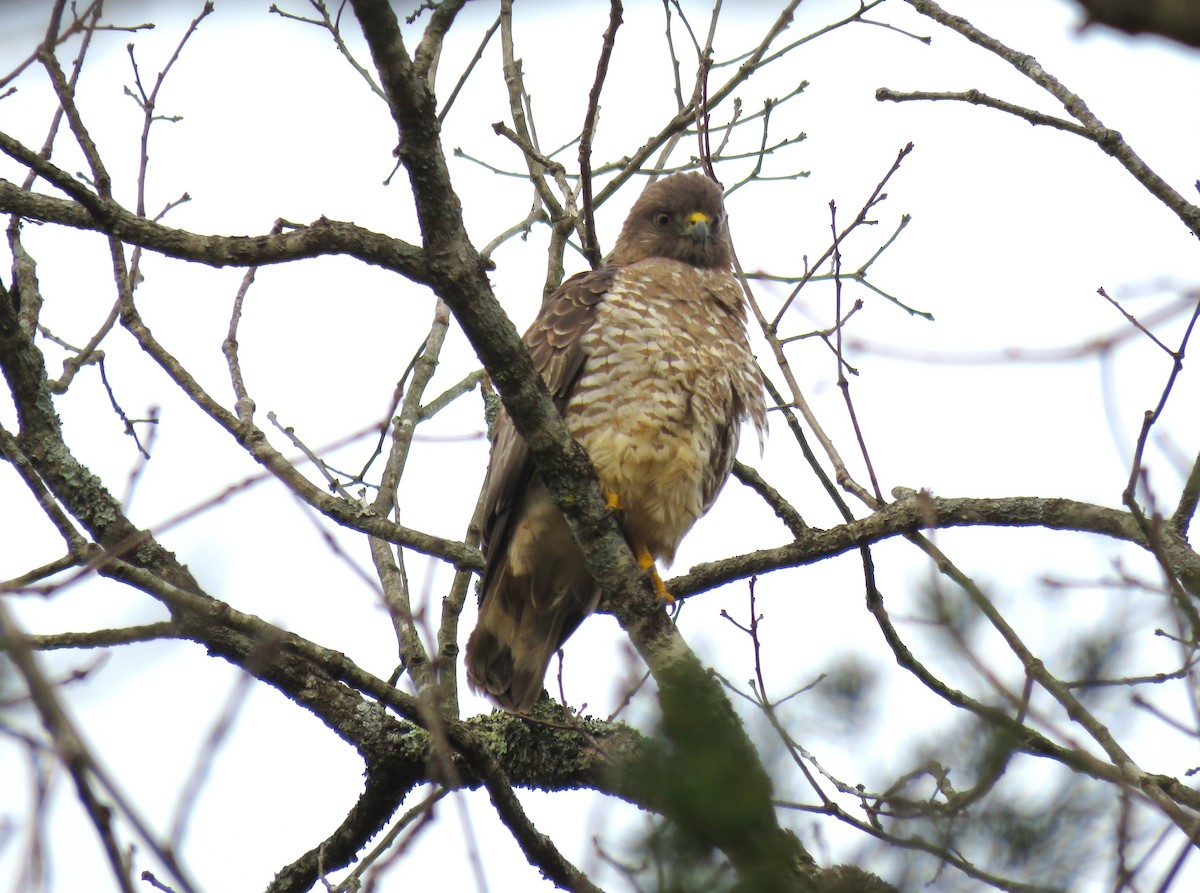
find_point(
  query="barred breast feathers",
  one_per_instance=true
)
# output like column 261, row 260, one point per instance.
column 666, row 444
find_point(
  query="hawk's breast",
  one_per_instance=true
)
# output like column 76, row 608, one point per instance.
column 667, row 380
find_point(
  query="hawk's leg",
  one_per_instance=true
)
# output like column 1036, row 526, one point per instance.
column 646, row 563
column 612, row 503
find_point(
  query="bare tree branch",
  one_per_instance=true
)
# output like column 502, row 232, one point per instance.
column 1109, row 140
column 321, row 237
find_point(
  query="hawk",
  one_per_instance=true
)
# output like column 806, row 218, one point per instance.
column 648, row 361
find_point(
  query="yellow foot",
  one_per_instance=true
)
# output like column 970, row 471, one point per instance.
column 612, row 503
column 646, row 563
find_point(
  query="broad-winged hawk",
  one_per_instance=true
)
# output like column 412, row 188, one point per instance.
column 648, row 361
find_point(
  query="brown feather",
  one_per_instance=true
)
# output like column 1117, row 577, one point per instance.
column 525, row 615
column 554, row 341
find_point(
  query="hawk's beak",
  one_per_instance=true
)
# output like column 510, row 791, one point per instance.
column 698, row 227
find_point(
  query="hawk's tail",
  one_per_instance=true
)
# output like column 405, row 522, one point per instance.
column 519, row 630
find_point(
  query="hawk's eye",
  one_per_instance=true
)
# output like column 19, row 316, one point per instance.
column 662, row 219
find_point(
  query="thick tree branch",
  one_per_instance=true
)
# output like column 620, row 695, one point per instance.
column 321, row 237
column 914, row 511
column 429, row 50
column 399, row 754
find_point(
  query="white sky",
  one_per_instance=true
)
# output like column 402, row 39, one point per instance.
column 1013, row 230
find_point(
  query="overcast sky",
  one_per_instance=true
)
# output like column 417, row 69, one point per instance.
column 1013, row 230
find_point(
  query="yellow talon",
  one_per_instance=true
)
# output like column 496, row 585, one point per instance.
column 646, row 563
column 612, row 502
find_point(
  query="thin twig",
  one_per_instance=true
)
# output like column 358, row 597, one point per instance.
column 243, row 405
column 843, row 383
column 877, row 196
column 975, row 97
column 390, row 565
column 591, row 245
column 462, row 80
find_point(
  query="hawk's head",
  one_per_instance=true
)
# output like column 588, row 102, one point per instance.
column 679, row 217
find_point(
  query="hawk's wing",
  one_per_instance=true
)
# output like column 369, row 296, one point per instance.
column 554, row 342
column 746, row 402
